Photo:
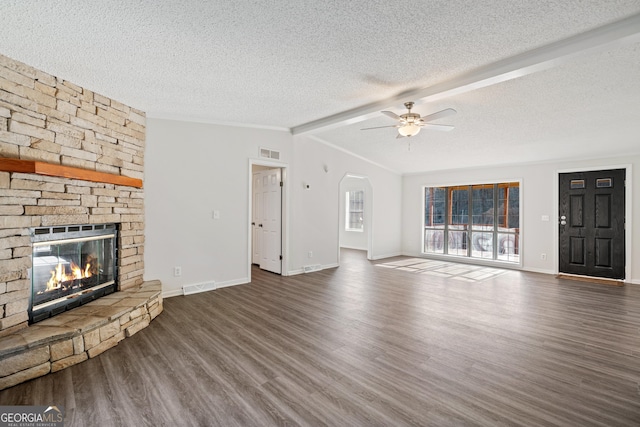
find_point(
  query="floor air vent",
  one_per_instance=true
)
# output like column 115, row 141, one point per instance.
column 310, row 268
column 197, row 288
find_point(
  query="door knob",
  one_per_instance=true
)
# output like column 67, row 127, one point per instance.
column 563, row 217
column 259, row 225
column 563, row 222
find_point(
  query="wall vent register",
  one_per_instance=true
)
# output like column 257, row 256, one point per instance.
column 269, row 154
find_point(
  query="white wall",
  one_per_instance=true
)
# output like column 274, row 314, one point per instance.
column 349, row 238
column 315, row 215
column 192, row 169
column 539, row 194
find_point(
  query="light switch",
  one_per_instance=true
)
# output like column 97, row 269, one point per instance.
column 545, row 218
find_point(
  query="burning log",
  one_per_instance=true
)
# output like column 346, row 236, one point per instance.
column 63, row 279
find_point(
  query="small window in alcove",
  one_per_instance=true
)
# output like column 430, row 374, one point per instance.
column 354, row 219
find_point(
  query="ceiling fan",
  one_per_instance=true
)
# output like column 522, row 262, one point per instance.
column 411, row 123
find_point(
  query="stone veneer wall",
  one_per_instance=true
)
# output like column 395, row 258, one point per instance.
column 48, row 119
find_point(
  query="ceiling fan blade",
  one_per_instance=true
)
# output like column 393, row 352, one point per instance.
column 432, row 126
column 399, row 136
column 380, row 127
column 391, row 114
column 438, row 115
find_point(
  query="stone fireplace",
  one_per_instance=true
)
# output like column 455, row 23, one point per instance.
column 68, row 156
column 71, row 266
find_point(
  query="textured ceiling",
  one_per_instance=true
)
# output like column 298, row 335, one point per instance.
column 285, row 64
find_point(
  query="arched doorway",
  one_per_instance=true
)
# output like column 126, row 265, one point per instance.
column 356, row 213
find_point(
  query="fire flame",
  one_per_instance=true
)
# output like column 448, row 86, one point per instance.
column 59, row 275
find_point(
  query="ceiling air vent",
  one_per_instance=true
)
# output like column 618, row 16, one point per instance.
column 269, row 154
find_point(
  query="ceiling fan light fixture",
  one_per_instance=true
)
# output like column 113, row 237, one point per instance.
column 410, row 129
column 409, row 123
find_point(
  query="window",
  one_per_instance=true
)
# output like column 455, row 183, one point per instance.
column 354, row 219
column 476, row 221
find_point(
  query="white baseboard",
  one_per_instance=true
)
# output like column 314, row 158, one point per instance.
column 538, row 270
column 377, row 257
column 196, row 288
column 352, row 247
column 172, row 293
column 234, row 282
column 321, row 267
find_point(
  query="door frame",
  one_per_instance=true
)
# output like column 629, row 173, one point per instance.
column 628, row 203
column 368, row 210
column 284, row 167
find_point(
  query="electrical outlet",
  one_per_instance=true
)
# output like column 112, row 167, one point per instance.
column 543, row 257
column 177, row 271
column 310, row 254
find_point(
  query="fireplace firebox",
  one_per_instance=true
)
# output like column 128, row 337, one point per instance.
column 72, row 265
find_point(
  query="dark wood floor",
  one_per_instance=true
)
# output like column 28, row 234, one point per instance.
column 368, row 345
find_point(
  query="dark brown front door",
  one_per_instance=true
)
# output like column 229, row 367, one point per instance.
column 591, row 223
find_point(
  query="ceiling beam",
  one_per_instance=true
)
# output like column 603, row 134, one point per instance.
column 617, row 33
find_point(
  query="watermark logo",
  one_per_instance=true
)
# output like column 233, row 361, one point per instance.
column 31, row 416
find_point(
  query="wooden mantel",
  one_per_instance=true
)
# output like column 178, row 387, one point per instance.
column 51, row 169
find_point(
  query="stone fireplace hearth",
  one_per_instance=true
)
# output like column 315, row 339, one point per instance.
column 77, row 335
column 67, row 156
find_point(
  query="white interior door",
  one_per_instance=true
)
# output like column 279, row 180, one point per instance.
column 271, row 221
column 256, row 217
